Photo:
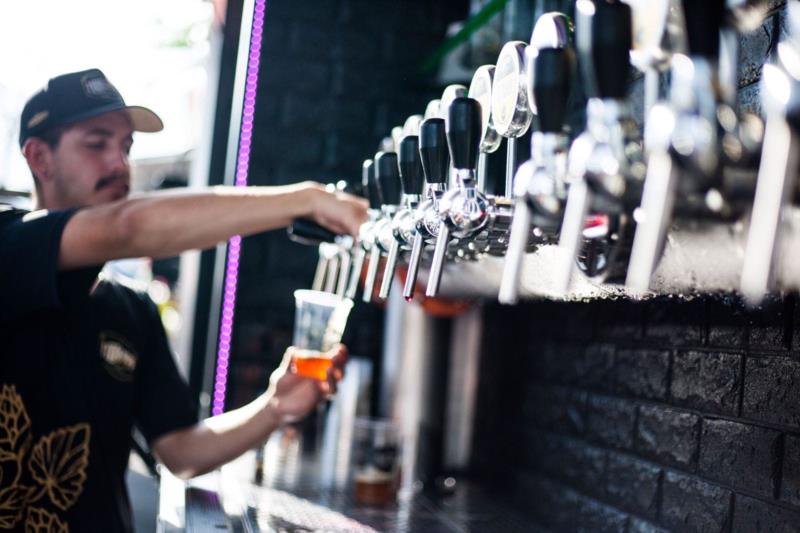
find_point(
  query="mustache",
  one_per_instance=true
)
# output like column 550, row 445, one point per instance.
column 110, row 180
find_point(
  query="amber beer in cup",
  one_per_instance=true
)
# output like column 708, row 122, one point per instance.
column 320, row 319
column 376, row 461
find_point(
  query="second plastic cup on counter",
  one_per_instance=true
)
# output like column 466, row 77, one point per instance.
column 375, row 461
column 320, row 319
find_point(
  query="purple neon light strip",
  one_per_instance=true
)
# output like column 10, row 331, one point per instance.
column 235, row 243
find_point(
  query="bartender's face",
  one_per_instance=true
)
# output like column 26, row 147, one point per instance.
column 89, row 166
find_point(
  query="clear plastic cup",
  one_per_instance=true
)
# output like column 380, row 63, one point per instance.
column 320, row 319
column 375, row 461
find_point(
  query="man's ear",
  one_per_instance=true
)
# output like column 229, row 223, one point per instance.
column 39, row 156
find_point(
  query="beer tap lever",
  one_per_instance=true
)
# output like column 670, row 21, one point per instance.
column 388, row 179
column 510, row 110
column 435, row 162
column 308, row 232
column 370, row 190
column 597, row 160
column 402, row 225
column 462, row 211
column 681, row 138
column 539, row 187
column 334, row 250
column 777, row 174
column 481, row 90
column 367, row 230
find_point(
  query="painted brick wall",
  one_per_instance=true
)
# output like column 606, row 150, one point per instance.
column 644, row 416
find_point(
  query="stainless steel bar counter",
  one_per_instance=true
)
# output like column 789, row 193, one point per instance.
column 296, row 502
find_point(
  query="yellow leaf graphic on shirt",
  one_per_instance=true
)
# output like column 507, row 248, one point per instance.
column 59, row 461
column 14, row 420
column 40, row 521
column 7, row 456
column 12, row 502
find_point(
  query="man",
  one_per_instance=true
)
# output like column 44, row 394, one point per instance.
column 83, row 358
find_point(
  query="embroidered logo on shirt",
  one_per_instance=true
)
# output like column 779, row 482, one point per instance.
column 119, row 357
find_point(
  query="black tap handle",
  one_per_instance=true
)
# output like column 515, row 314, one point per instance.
column 606, row 59
column 370, row 185
column 388, row 176
column 410, row 165
column 433, row 150
column 305, row 231
column 552, row 79
column 703, row 19
column 464, row 132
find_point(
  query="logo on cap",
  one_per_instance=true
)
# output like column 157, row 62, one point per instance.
column 38, row 118
column 98, row 87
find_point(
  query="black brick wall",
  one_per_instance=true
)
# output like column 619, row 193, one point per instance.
column 335, row 77
column 670, row 415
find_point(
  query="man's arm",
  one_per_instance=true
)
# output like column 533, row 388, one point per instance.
column 215, row 441
column 166, row 223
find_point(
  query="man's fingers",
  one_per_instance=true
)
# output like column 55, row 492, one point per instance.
column 338, row 354
column 325, row 389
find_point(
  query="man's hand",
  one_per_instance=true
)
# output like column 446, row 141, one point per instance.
column 204, row 446
column 338, row 211
column 291, row 397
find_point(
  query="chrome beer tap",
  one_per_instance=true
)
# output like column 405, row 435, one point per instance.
column 692, row 140
column 388, row 179
column 657, row 31
column 604, row 162
column 464, row 210
column 335, row 250
column 481, row 90
column 435, row 161
column 306, row 232
column 450, row 93
column 511, row 112
column 366, row 233
column 402, row 225
column 411, row 125
column 540, row 183
column 778, row 173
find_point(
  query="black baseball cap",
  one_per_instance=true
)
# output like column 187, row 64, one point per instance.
column 77, row 96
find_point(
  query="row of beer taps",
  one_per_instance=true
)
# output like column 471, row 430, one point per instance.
column 606, row 200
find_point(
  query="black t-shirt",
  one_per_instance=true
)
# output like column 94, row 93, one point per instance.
column 82, row 359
